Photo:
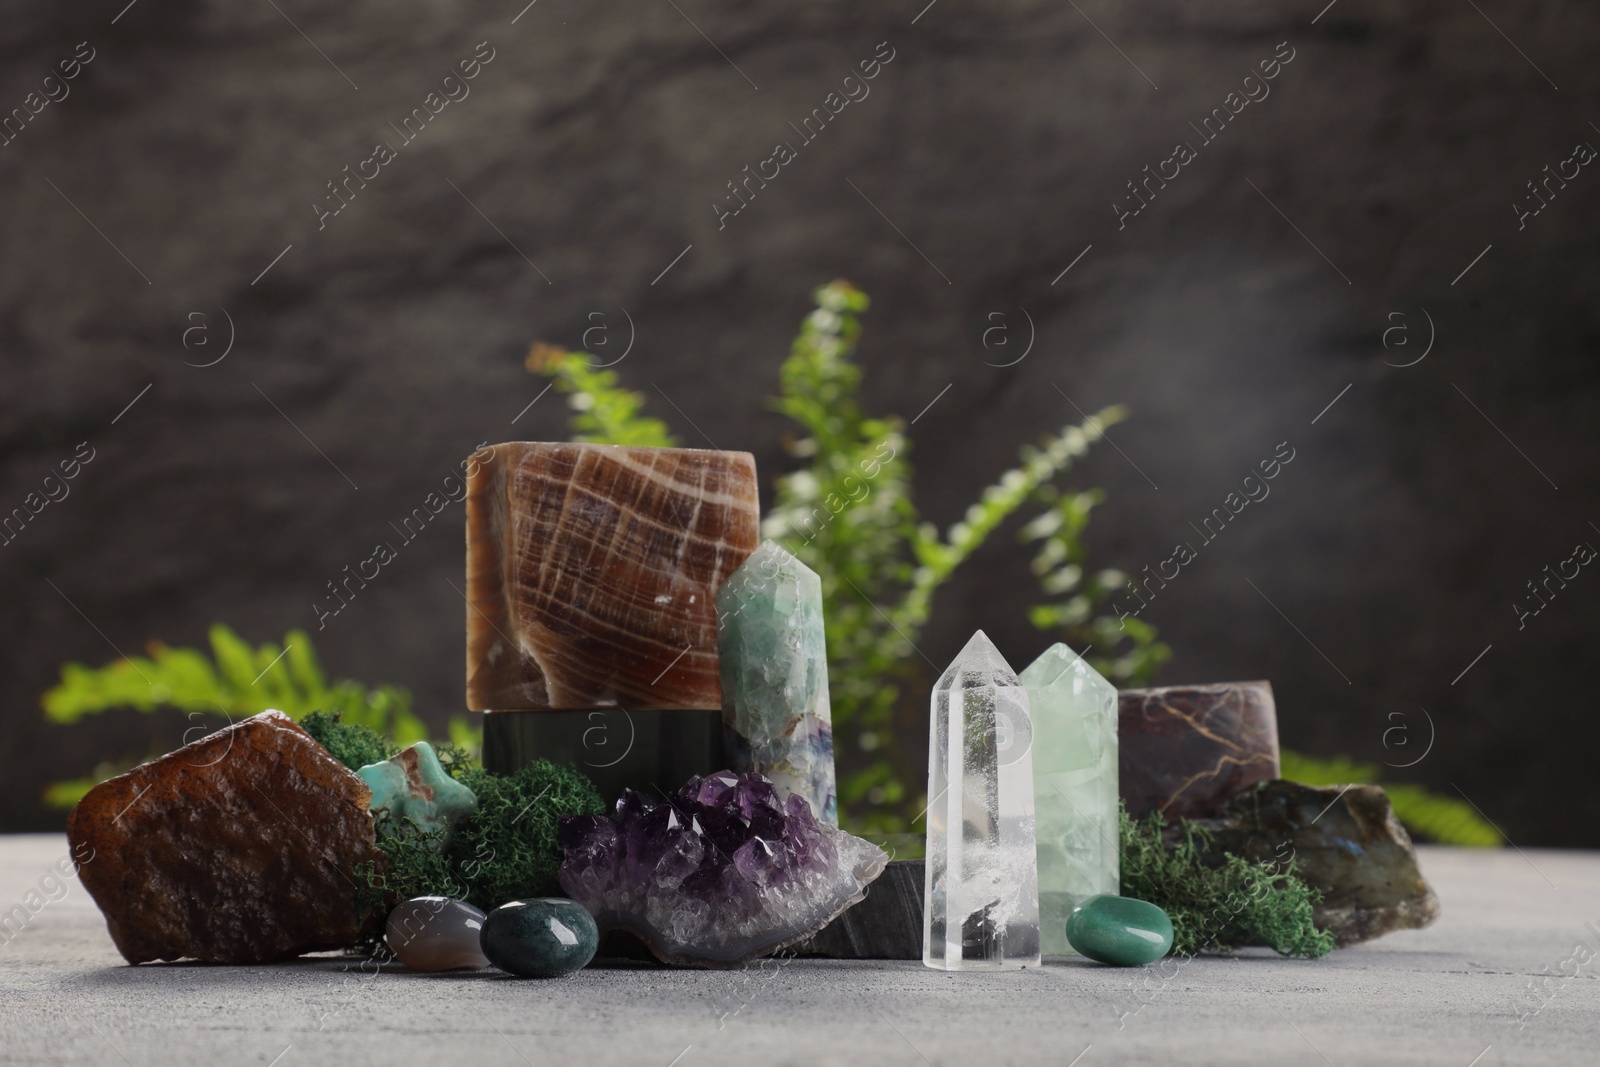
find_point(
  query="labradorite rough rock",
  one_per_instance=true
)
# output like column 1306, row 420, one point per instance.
column 1121, row 931
column 545, row 937
column 1346, row 842
column 413, row 785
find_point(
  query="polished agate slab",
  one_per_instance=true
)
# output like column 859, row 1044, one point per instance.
column 592, row 573
column 1186, row 750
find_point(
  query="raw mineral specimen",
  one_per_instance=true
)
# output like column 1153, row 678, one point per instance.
column 412, row 785
column 1074, row 787
column 982, row 889
column 1121, row 931
column 1186, row 750
column 592, row 572
column 238, row 848
column 545, row 937
column 436, row 934
column 718, row 873
column 1345, row 841
column 775, row 677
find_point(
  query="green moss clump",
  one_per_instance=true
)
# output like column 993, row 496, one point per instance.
column 353, row 746
column 413, row 865
column 1219, row 908
column 507, row 849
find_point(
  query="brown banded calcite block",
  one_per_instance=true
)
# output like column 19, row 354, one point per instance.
column 592, row 573
column 1186, row 750
column 238, row 848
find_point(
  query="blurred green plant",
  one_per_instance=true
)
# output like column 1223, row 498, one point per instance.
column 603, row 413
column 1443, row 820
column 235, row 681
column 848, row 513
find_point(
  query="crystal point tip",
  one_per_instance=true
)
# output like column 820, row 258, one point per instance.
column 978, row 663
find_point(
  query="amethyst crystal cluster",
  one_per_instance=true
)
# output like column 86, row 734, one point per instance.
column 718, row 873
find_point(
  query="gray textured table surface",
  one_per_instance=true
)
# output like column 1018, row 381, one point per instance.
column 1452, row 994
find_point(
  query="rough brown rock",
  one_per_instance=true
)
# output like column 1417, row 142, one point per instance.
column 238, row 848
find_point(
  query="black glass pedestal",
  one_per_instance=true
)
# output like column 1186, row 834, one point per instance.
column 652, row 752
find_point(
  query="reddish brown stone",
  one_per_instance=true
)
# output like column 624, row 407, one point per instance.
column 1186, row 750
column 238, row 848
column 592, row 574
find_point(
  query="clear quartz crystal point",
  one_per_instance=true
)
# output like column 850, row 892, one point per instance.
column 981, row 903
column 1074, row 787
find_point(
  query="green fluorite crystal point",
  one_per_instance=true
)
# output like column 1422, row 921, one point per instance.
column 413, row 785
column 774, row 665
column 1074, row 786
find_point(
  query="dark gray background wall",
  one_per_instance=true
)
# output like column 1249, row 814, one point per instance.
column 1250, row 294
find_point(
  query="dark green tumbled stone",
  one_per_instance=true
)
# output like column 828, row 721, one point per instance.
column 540, row 938
column 1120, row 931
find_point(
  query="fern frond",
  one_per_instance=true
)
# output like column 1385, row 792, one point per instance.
column 604, row 413
column 1445, row 820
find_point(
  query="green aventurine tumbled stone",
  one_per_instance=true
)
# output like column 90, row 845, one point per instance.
column 1120, row 931
column 413, row 785
column 541, row 938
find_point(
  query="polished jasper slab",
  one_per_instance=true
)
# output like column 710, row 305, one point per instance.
column 238, row 848
column 1186, row 750
column 592, row 573
column 1345, row 841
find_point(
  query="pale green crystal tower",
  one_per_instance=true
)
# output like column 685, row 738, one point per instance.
column 1074, row 785
column 774, row 664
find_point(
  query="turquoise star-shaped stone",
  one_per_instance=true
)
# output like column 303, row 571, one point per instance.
column 413, row 785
